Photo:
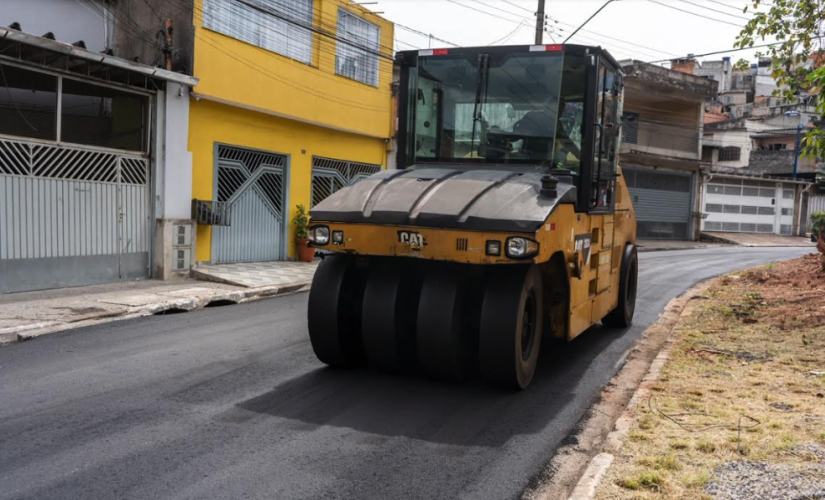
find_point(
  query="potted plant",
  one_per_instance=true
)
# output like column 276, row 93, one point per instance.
column 817, row 225
column 301, row 221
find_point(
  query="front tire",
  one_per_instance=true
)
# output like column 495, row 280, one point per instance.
column 622, row 315
column 511, row 326
column 334, row 312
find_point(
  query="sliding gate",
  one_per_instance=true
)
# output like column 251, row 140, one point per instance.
column 71, row 216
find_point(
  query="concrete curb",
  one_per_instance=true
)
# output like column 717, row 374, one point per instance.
column 22, row 333
column 574, row 472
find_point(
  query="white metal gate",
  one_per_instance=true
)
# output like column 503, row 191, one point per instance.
column 253, row 183
column 71, row 216
column 749, row 206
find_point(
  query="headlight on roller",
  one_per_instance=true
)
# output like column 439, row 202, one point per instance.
column 319, row 235
column 521, row 248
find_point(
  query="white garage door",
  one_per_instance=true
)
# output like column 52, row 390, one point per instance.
column 748, row 206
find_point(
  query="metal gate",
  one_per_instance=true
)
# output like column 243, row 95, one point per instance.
column 71, row 216
column 662, row 202
column 328, row 176
column 253, row 184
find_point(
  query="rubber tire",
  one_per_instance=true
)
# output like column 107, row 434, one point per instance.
column 388, row 316
column 334, row 312
column 622, row 315
column 441, row 336
column 502, row 320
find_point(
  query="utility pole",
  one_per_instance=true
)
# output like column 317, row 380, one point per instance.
column 168, row 49
column 540, row 23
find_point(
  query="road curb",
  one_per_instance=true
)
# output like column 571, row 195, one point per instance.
column 22, row 333
column 577, row 469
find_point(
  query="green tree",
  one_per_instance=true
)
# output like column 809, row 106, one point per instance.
column 797, row 56
column 741, row 65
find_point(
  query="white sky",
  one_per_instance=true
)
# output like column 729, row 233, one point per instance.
column 641, row 29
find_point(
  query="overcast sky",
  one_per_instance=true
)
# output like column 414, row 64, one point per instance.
column 639, row 29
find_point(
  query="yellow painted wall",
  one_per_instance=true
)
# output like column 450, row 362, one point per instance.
column 236, row 71
column 212, row 122
column 351, row 120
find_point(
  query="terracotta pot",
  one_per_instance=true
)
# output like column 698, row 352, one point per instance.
column 305, row 252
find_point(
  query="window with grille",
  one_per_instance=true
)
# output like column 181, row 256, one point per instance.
column 358, row 48
column 280, row 26
column 730, row 153
column 787, row 194
column 787, row 211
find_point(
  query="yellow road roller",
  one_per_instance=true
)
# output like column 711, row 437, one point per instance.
column 506, row 222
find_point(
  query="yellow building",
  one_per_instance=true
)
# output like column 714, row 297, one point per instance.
column 294, row 101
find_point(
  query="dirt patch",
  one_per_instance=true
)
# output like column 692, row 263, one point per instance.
column 736, row 407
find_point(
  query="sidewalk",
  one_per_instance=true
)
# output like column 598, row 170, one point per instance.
column 30, row 314
column 759, row 240
column 665, row 245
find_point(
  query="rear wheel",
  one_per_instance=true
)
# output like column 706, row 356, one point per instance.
column 389, row 314
column 511, row 326
column 622, row 315
column 334, row 312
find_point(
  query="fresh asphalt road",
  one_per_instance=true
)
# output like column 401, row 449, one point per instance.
column 231, row 403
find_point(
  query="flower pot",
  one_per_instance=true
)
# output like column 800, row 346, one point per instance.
column 305, row 252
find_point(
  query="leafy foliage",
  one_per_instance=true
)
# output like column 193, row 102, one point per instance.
column 741, row 65
column 817, row 222
column 797, row 57
column 301, row 221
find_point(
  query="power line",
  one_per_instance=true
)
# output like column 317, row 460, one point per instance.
column 510, row 13
column 508, row 36
column 694, row 13
column 483, row 12
column 714, row 10
column 721, row 52
column 519, row 6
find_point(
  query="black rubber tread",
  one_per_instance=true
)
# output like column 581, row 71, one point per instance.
column 622, row 315
column 441, row 334
column 500, row 335
column 334, row 312
column 389, row 313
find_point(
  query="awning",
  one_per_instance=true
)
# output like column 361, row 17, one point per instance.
column 56, row 55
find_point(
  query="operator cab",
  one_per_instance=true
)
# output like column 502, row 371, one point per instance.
column 551, row 108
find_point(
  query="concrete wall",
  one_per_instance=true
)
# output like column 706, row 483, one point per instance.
column 145, row 19
column 239, row 73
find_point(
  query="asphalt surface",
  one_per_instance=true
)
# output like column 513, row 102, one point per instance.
column 231, row 403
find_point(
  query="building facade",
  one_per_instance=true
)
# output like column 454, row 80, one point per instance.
column 93, row 169
column 294, row 102
column 661, row 151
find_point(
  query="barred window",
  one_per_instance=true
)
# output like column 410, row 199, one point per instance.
column 358, row 47
column 730, row 154
column 280, row 26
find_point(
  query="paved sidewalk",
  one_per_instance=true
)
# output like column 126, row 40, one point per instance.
column 761, row 240
column 663, row 245
column 257, row 274
column 30, row 314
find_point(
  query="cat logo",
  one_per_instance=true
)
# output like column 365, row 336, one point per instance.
column 414, row 240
